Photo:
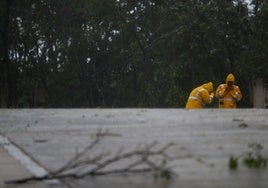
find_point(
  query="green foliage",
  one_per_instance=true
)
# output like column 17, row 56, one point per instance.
column 140, row 53
column 163, row 173
column 252, row 159
column 166, row 174
column 233, row 163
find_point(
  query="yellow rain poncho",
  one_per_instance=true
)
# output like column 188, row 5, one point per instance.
column 200, row 96
column 229, row 93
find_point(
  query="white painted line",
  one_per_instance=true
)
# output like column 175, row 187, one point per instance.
column 25, row 160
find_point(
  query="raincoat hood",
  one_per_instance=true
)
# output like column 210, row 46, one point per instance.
column 230, row 78
column 208, row 86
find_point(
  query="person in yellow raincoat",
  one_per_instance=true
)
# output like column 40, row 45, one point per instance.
column 200, row 96
column 229, row 93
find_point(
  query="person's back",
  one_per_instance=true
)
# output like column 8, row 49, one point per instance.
column 229, row 93
column 200, row 96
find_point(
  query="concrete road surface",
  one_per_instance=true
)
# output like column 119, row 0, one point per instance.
column 34, row 142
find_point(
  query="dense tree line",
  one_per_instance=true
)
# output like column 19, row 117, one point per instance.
column 119, row 53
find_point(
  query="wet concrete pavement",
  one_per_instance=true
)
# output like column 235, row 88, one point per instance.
column 204, row 141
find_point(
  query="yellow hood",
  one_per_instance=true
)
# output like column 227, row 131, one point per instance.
column 208, row 86
column 230, row 78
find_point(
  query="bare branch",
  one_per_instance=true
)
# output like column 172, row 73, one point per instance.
column 72, row 163
column 82, row 165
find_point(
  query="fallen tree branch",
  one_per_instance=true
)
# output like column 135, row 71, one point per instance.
column 82, row 164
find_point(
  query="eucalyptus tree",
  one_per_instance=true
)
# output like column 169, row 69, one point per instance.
column 253, row 60
column 119, row 53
